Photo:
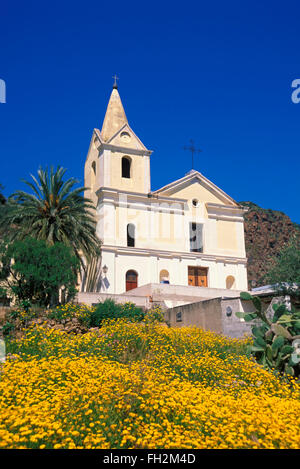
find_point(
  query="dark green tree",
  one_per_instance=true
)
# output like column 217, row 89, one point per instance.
column 2, row 198
column 285, row 269
column 31, row 270
column 55, row 211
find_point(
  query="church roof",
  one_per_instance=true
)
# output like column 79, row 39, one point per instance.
column 115, row 116
column 190, row 177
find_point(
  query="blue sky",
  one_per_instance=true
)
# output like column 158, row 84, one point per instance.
column 219, row 73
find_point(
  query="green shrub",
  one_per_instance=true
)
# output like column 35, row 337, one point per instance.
column 61, row 313
column 132, row 312
column 154, row 315
column 7, row 328
column 22, row 314
column 69, row 311
column 109, row 309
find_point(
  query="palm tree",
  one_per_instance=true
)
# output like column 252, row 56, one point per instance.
column 54, row 212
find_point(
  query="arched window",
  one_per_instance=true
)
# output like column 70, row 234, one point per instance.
column 131, row 235
column 164, row 276
column 126, row 167
column 230, row 282
column 131, row 280
column 93, row 174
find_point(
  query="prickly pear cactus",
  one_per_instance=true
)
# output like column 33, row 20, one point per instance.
column 276, row 340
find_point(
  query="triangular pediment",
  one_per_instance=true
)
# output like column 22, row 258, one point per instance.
column 126, row 138
column 195, row 185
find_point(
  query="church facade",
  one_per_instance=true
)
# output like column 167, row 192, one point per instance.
column 188, row 232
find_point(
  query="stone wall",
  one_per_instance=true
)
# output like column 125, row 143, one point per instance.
column 205, row 314
column 217, row 315
column 170, row 291
column 232, row 326
column 170, row 296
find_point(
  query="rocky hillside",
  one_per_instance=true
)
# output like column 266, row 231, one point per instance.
column 266, row 232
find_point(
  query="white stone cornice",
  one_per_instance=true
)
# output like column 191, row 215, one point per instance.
column 225, row 212
column 101, row 145
column 140, row 201
column 125, row 250
column 126, row 150
column 150, row 196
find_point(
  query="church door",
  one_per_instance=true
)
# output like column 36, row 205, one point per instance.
column 131, row 280
column 197, row 276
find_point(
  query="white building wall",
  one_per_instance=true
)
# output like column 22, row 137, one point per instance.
column 148, row 268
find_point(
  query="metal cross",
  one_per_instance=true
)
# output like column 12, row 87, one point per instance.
column 115, row 78
column 193, row 150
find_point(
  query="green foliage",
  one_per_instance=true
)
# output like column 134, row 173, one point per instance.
column 108, row 309
column 285, row 270
column 34, row 271
column 93, row 316
column 17, row 318
column 2, row 198
column 131, row 312
column 54, row 212
column 8, row 328
column 69, row 311
column 20, row 316
column 276, row 341
column 154, row 315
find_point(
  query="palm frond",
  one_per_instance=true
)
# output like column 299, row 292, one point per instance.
column 55, row 211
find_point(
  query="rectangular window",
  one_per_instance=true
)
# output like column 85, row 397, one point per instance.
column 196, row 237
column 179, row 316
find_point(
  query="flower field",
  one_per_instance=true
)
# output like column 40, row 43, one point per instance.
column 142, row 385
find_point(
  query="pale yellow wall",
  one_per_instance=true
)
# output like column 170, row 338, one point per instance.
column 197, row 191
column 154, row 230
column 169, row 234
column 167, row 231
column 227, row 235
column 126, row 138
column 91, row 184
column 136, row 183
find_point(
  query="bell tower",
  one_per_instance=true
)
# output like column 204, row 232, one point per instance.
column 116, row 158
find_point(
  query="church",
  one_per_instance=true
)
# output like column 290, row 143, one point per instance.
column 187, row 233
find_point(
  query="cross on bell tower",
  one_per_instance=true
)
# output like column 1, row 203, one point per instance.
column 115, row 85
